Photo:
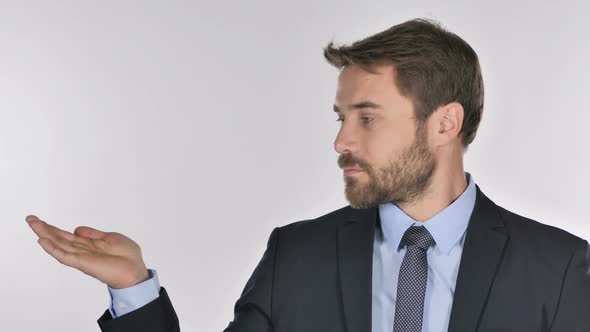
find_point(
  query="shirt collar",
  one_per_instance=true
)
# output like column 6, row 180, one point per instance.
column 447, row 227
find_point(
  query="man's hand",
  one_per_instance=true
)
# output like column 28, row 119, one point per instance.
column 109, row 257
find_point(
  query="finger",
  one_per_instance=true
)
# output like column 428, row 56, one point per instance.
column 43, row 229
column 72, row 247
column 89, row 232
column 31, row 218
column 66, row 241
column 96, row 238
column 69, row 242
column 62, row 256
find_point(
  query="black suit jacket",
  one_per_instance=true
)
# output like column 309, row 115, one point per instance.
column 515, row 274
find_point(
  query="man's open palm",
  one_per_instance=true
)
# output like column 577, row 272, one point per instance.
column 109, row 257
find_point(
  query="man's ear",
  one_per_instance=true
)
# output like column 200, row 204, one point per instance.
column 446, row 122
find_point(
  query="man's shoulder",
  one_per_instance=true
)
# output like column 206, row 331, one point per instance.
column 327, row 221
column 534, row 233
column 314, row 233
column 310, row 239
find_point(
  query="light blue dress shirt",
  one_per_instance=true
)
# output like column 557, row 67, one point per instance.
column 125, row 300
column 448, row 230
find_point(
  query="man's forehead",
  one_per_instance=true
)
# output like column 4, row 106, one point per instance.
column 355, row 84
column 372, row 71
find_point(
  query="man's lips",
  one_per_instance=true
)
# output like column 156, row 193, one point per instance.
column 350, row 171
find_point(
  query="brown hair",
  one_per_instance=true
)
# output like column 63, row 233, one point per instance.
column 433, row 67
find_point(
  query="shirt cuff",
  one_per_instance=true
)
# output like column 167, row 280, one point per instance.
column 125, row 300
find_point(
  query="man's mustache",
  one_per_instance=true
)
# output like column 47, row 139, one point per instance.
column 348, row 161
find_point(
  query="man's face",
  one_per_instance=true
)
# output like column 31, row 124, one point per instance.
column 380, row 136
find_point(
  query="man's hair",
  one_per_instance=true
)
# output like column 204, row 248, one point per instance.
column 433, row 67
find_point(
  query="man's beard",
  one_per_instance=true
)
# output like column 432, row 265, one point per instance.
column 402, row 181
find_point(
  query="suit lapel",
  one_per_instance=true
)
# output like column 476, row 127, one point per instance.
column 355, row 263
column 484, row 245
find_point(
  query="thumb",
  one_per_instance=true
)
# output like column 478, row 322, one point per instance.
column 89, row 232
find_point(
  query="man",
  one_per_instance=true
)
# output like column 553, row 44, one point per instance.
column 419, row 248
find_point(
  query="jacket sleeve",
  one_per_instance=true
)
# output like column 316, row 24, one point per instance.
column 252, row 311
column 156, row 316
column 573, row 311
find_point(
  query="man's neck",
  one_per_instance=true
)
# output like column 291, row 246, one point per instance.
column 444, row 189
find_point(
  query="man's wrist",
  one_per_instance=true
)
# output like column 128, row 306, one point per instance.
column 141, row 277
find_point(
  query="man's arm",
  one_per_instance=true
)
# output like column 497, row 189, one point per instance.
column 156, row 316
column 573, row 311
column 252, row 311
column 114, row 259
column 128, row 299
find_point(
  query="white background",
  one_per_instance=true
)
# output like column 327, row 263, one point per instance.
column 197, row 127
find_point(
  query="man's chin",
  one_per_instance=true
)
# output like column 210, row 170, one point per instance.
column 357, row 199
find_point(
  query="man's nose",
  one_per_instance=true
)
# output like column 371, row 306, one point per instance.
column 345, row 142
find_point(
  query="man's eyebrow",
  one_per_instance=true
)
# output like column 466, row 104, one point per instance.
column 360, row 105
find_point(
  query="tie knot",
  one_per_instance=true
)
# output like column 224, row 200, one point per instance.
column 418, row 236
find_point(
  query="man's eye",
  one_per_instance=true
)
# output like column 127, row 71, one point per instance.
column 363, row 118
